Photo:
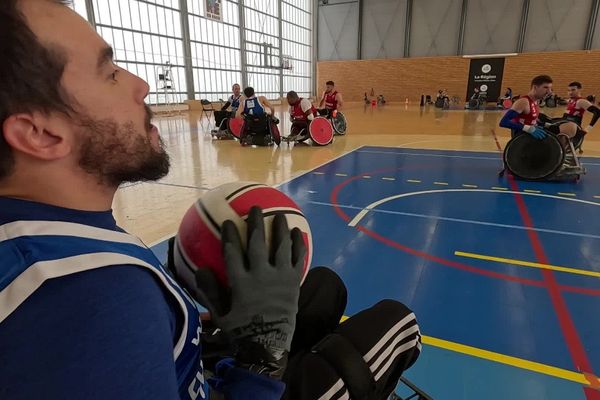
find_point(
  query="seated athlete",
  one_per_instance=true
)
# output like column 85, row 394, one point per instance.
column 578, row 105
column 257, row 111
column 331, row 99
column 301, row 113
column 507, row 96
column 251, row 104
column 229, row 109
column 233, row 102
column 523, row 116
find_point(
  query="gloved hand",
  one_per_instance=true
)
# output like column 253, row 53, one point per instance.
column 275, row 120
column 535, row 131
column 258, row 311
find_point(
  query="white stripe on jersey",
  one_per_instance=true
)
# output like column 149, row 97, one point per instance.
column 34, row 276
column 17, row 229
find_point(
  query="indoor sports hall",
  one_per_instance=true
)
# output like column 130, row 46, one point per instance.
column 412, row 188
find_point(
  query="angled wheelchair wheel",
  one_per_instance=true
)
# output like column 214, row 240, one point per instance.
column 532, row 159
column 339, row 123
column 321, row 131
column 275, row 133
column 235, row 127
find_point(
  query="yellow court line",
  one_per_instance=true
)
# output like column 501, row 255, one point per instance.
column 441, row 183
column 508, row 360
column 341, row 174
column 388, row 179
column 532, row 191
column 597, row 197
column 504, row 359
column 566, row 194
column 319, row 173
column 499, row 188
column 469, row 186
column 367, row 176
column 529, row 264
column 413, row 181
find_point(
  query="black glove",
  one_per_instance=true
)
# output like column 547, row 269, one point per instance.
column 225, row 106
column 275, row 120
column 258, row 311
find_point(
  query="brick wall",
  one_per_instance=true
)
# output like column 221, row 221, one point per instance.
column 409, row 77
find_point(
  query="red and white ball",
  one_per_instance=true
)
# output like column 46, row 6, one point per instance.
column 198, row 241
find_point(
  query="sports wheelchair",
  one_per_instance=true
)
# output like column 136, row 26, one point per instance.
column 337, row 118
column 532, row 159
column 319, row 131
column 255, row 130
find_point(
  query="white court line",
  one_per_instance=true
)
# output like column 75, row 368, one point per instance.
column 451, row 156
column 167, row 237
column 427, row 155
column 377, row 203
column 460, row 220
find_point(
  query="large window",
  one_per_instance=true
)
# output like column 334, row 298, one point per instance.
column 216, row 58
column 146, row 37
column 261, row 43
column 297, row 40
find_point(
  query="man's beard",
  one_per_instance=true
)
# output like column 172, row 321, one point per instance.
column 117, row 153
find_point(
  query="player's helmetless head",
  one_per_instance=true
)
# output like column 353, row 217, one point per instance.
column 236, row 89
column 541, row 86
column 574, row 89
column 68, row 103
column 292, row 98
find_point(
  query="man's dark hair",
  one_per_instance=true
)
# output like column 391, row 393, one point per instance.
column 576, row 84
column 31, row 74
column 330, row 83
column 249, row 91
column 292, row 95
column 540, row 80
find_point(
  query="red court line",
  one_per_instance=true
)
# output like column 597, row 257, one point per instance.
column 579, row 290
column 569, row 331
column 449, row 263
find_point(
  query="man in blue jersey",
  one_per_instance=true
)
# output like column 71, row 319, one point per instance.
column 259, row 115
column 228, row 110
column 88, row 312
column 251, row 104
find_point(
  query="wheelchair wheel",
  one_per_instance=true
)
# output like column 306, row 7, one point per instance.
column 321, row 131
column 339, row 123
column 275, row 133
column 532, row 159
column 235, row 127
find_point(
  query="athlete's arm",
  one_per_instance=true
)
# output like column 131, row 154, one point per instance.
column 240, row 109
column 340, row 101
column 266, row 103
column 519, row 107
column 586, row 105
column 322, row 100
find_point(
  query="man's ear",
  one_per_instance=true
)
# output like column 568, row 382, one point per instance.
column 38, row 135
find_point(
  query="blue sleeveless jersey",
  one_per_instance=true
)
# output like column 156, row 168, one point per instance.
column 252, row 106
column 56, row 249
column 235, row 102
column 88, row 311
